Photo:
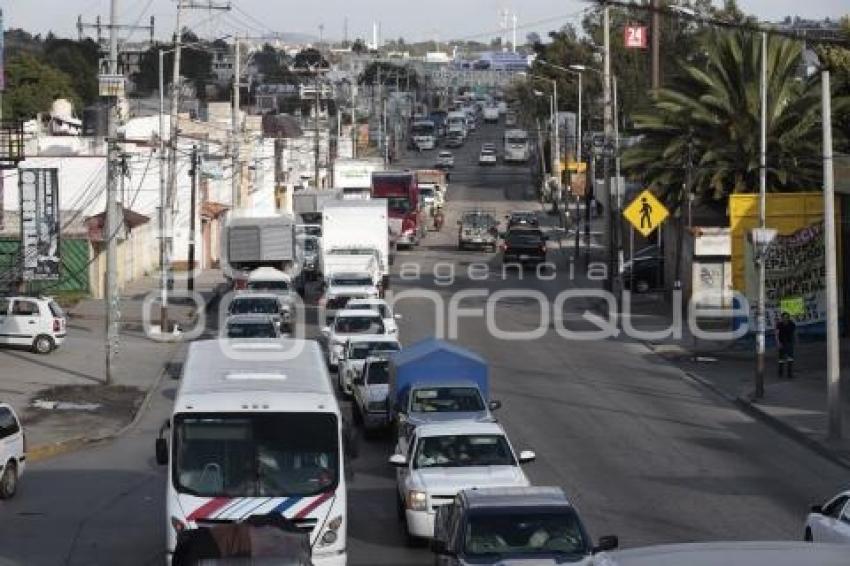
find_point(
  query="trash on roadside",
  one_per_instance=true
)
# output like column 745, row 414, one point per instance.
column 64, row 406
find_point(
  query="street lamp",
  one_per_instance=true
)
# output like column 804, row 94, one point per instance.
column 573, row 70
column 556, row 150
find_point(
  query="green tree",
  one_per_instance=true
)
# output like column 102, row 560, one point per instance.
column 79, row 60
column 359, row 46
column 712, row 117
column 389, row 73
column 32, row 86
column 309, row 59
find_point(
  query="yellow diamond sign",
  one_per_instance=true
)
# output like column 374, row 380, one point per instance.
column 646, row 213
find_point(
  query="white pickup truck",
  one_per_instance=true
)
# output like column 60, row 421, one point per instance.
column 441, row 459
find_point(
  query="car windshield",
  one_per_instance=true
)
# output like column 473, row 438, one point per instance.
column 510, row 533
column 463, row 450
column 447, row 400
column 251, row 330
column 399, row 205
column 362, row 350
column 517, row 140
column 268, row 285
column 478, row 220
column 254, row 305
column 379, row 373
column 255, row 455
column 445, row 154
column 351, row 282
column 379, row 308
column 524, row 239
column 309, row 245
column 359, row 325
column 426, row 193
column 55, row 309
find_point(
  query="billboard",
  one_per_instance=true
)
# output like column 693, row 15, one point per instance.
column 39, row 192
column 795, row 267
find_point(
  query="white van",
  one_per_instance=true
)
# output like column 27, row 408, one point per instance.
column 258, row 435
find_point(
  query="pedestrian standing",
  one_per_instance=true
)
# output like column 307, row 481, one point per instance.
column 786, row 336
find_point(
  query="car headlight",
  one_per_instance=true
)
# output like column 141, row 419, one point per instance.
column 417, row 500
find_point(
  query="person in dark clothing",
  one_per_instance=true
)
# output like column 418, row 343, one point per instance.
column 786, row 335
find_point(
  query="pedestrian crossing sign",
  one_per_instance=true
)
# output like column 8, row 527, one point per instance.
column 646, row 213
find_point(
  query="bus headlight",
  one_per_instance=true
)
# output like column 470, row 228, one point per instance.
column 331, row 535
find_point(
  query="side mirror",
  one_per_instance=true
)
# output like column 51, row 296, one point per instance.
column 817, row 509
column 495, row 405
column 161, row 451
column 398, row 461
column 609, row 542
column 527, row 456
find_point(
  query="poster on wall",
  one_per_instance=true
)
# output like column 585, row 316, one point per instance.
column 39, row 192
column 795, row 279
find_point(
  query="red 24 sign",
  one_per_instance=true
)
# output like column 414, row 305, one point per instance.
column 635, row 37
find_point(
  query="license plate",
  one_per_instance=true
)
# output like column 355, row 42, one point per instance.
column 524, row 256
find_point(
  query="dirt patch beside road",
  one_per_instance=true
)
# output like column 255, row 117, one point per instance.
column 64, row 411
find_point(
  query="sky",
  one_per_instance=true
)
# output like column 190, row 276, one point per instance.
column 415, row 20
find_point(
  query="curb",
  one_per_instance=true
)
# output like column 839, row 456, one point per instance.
column 47, row 451
column 752, row 409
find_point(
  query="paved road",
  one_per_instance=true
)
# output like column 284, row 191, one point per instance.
column 644, row 453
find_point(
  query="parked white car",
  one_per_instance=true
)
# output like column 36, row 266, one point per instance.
column 381, row 307
column 345, row 325
column 443, row 458
column 37, row 322
column 13, row 448
column 830, row 522
column 357, row 350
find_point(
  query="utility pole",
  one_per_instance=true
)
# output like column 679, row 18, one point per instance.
column 556, row 165
column 655, row 37
column 833, row 365
column 618, row 189
column 316, row 146
column 760, row 309
column 193, row 173
column 236, row 130
column 98, row 27
column 607, row 120
column 112, row 223
column 163, row 216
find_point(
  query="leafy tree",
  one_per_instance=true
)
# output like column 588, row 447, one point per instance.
column 359, row 46
column 532, row 38
column 389, row 73
column 195, row 64
column 32, row 86
column 712, row 116
column 79, row 60
column 310, row 59
column 270, row 63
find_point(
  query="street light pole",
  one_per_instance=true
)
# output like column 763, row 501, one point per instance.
column 760, row 309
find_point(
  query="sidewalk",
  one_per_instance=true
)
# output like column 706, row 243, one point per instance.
column 76, row 406
column 796, row 407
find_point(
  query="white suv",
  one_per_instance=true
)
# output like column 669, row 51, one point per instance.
column 443, row 458
column 12, row 451
column 37, row 322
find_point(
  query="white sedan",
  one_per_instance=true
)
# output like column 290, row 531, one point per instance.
column 830, row 522
column 487, row 157
column 381, row 307
column 348, row 323
column 445, row 159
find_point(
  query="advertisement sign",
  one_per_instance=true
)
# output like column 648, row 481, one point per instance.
column 795, row 278
column 634, row 37
column 39, row 193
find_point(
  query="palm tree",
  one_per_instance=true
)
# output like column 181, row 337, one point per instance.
column 711, row 119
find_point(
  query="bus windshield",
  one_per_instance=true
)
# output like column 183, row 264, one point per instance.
column 423, row 129
column 518, row 140
column 256, row 455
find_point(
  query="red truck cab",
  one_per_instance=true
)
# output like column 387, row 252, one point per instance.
column 400, row 189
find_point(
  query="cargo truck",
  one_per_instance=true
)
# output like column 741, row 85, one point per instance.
column 250, row 241
column 353, row 177
column 407, row 224
column 355, row 239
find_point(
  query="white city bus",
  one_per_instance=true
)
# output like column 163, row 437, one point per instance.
column 516, row 146
column 253, row 433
